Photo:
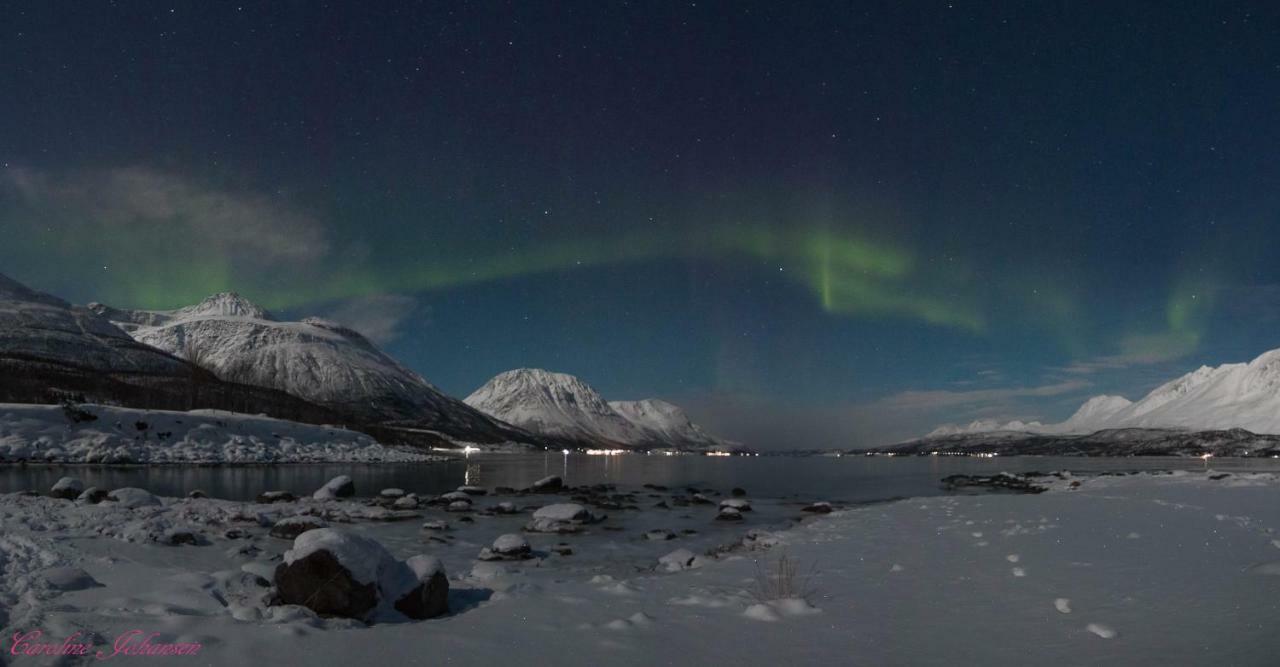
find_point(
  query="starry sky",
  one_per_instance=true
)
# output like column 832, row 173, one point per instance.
column 812, row 224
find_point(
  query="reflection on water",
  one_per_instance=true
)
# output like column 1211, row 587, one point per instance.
column 851, row 478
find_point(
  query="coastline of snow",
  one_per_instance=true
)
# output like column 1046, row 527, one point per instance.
column 1141, row 569
column 108, row 434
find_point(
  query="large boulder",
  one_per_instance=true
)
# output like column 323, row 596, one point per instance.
column 559, row 518
column 68, row 488
column 740, row 504
column 340, row 574
column 131, row 497
column 338, row 487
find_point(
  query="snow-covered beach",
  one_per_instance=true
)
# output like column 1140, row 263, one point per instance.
column 1138, row 569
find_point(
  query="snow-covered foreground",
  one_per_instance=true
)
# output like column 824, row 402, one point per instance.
column 106, row 434
column 1135, row 570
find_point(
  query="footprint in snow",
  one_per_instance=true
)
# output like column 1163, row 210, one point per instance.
column 895, row 568
column 976, row 534
column 1063, row 605
column 1019, row 572
column 1101, row 630
column 1013, row 558
column 1133, row 536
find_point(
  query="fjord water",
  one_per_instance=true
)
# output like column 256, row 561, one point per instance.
column 848, row 478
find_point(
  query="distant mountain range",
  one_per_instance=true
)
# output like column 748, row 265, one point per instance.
column 228, row 353
column 563, row 407
column 1235, row 407
column 1241, row 395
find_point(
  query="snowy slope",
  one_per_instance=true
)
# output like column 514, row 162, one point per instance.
column 1242, row 395
column 564, row 407
column 314, row 359
column 104, row 434
column 37, row 326
column 664, row 422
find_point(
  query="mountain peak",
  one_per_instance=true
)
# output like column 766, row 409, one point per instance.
column 229, row 304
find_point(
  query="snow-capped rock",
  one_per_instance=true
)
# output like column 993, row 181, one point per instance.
column 565, row 408
column 314, row 359
column 343, row 574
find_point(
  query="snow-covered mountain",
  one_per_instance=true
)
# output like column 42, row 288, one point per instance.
column 563, row 407
column 1230, row 396
column 39, row 327
column 51, row 350
column 314, row 359
column 664, row 422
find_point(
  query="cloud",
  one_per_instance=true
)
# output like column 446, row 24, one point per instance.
column 942, row 398
column 153, row 238
column 136, row 200
column 377, row 317
column 1137, row 350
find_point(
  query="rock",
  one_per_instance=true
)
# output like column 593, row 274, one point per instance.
column 699, row 499
column 659, row 535
column 234, row 534
column 67, row 488
column 458, row 506
column 322, row 583
column 68, row 579
column 466, row 519
column 436, row 525
column 820, row 507
column 756, row 539
column 340, row 574
column 430, row 597
column 338, row 487
column 550, row 484
column 391, row 494
column 562, row 549
column 740, row 504
column 276, row 497
column 999, row 482
column 409, row 502
column 662, row 504
column 291, row 527
column 729, row 514
column 197, row 493
column 559, row 518
column 131, row 498
column 473, row 490
column 655, row 487
column 454, row 497
column 738, row 492
column 680, row 559
column 179, row 536
column 92, row 495
column 507, row 547
column 503, row 490
column 506, row 508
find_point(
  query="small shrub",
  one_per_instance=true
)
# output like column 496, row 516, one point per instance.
column 783, row 579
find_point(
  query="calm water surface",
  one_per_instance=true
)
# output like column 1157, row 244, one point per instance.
column 849, row 478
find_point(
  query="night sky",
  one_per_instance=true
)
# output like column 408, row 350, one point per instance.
column 812, row 224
